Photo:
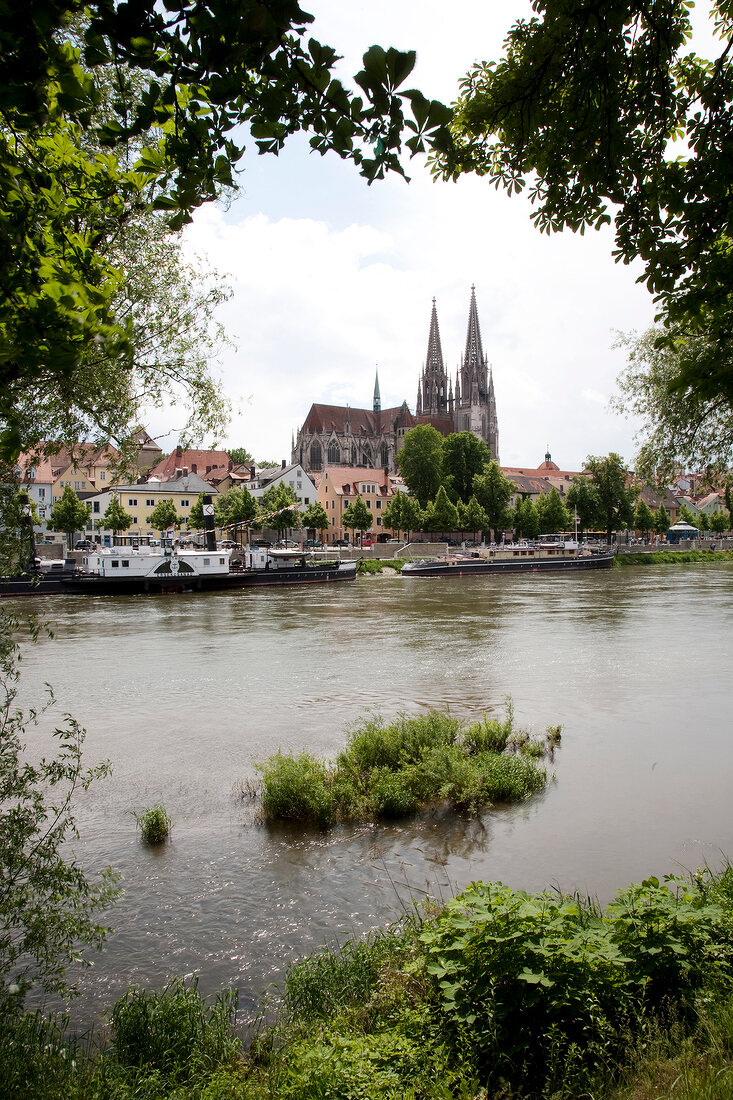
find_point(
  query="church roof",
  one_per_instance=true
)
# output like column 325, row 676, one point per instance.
column 327, row 418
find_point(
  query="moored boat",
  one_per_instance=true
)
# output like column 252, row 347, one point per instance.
column 566, row 557
column 126, row 570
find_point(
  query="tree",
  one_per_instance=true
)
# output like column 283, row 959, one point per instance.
column 279, row 508
column 235, row 507
column 69, row 514
column 240, row 456
column 403, row 513
column 164, row 517
column 420, row 461
column 703, row 522
column 529, row 520
column 719, row 521
column 186, row 82
column 464, row 456
column 586, row 106
column 315, row 518
column 493, row 491
column 661, row 520
column 441, row 514
column 615, row 499
column 552, row 513
column 687, row 515
column 643, row 518
column 357, row 516
column 115, row 518
column 680, row 428
column 49, row 908
column 474, row 518
column 582, row 498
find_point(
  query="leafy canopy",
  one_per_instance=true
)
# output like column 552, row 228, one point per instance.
column 606, row 113
column 187, row 81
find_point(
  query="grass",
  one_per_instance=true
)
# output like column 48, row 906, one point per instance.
column 154, row 824
column 499, row 994
column 378, row 565
column 394, row 770
column 673, row 557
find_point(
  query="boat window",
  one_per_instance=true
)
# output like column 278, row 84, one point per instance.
column 125, row 565
column 207, row 561
column 115, row 564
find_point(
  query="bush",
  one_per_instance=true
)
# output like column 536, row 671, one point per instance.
column 154, row 824
column 546, row 990
column 394, row 770
column 297, row 788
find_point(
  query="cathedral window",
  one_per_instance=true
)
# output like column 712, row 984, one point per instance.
column 353, row 455
column 384, row 455
column 316, row 456
column 333, row 453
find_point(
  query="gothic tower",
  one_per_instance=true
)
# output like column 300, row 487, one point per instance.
column 475, row 404
column 433, row 393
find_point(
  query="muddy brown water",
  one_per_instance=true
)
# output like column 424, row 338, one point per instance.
column 185, row 694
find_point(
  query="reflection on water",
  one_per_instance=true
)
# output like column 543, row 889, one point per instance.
column 185, row 694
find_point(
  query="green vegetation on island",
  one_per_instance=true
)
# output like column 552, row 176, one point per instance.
column 396, row 769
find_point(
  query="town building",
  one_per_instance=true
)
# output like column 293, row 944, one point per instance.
column 339, row 486
column 337, row 435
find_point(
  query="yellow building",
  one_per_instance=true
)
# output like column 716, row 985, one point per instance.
column 339, row 486
column 141, row 499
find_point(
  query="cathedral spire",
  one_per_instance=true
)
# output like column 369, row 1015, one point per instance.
column 473, row 358
column 434, row 380
column 377, row 406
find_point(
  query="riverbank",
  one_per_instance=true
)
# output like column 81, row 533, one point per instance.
column 673, row 557
column 647, row 557
column 496, row 993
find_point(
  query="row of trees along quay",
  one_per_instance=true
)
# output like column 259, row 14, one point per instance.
column 470, row 494
column 117, row 121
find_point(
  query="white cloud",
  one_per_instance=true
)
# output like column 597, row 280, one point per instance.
column 332, row 278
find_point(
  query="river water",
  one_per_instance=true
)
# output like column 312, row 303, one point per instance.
column 185, row 694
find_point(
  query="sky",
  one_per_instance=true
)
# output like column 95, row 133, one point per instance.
column 333, row 280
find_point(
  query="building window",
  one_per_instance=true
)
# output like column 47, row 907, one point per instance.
column 307, row 500
column 185, row 503
column 102, row 475
column 42, row 513
column 95, row 507
column 316, row 456
column 150, row 502
column 41, row 494
column 378, row 503
column 77, row 485
column 132, row 503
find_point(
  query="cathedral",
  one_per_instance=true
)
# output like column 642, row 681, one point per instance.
column 335, row 435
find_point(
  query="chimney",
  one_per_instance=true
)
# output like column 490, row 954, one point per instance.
column 284, row 464
column 252, row 473
column 179, row 452
column 185, row 471
column 209, row 528
column 179, row 472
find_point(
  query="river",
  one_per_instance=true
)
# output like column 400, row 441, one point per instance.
column 185, row 694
